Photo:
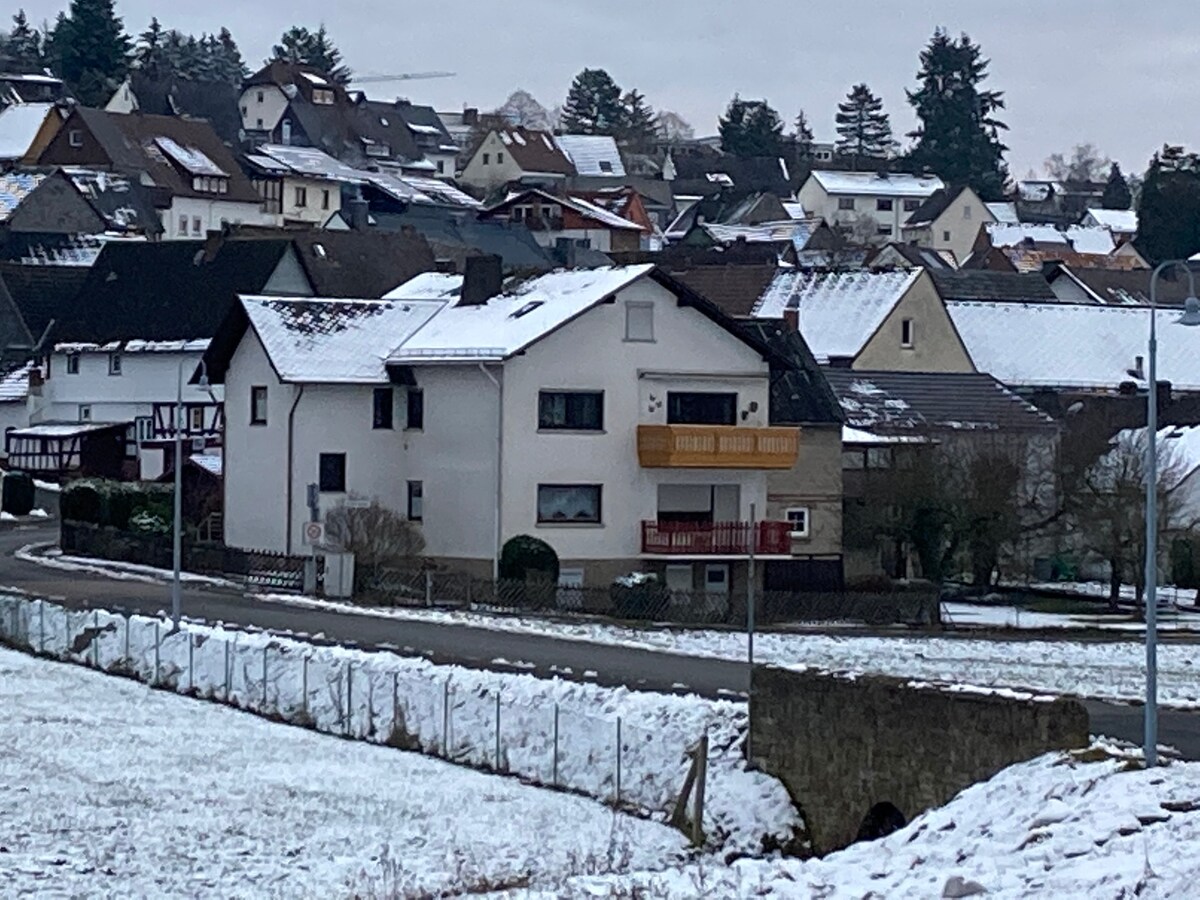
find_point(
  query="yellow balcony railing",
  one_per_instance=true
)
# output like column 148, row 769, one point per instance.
column 716, row 447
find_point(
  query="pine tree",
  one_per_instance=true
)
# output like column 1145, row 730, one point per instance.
column 750, row 128
column 150, row 52
column 803, row 137
column 1116, row 191
column 638, row 130
column 1169, row 206
column 91, row 50
column 23, row 48
column 864, row 131
column 299, row 45
column 593, row 105
column 958, row 136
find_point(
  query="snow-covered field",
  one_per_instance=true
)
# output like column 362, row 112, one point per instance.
column 111, row 789
column 548, row 731
column 1053, row 827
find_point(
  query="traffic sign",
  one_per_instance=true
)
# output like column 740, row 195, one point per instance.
column 314, row 533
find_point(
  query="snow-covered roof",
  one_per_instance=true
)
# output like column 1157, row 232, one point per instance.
column 894, row 184
column 586, row 208
column 417, row 189
column 797, row 231
column 19, row 125
column 1096, row 240
column 213, row 463
column 794, row 209
column 1005, row 213
column 135, row 346
column 1118, row 221
column 14, row 385
column 62, row 429
column 1073, row 345
column 1012, row 235
column 309, row 161
column 193, row 160
column 592, row 154
column 838, row 311
column 14, row 188
column 525, row 312
column 1039, row 191
column 333, row 341
column 859, row 436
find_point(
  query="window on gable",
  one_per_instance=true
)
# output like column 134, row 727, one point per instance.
column 325, row 198
column 415, row 416
column 258, row 405
column 260, row 96
column 945, row 236
column 487, row 158
column 967, row 211
column 441, row 167
column 568, row 504
column 499, row 159
column 571, row 410
column 798, row 520
column 907, row 333
column 416, row 501
column 639, row 322
column 883, row 205
column 382, row 408
column 114, row 364
column 846, row 203
column 332, row 473
column 75, row 137
column 72, row 363
column 301, row 196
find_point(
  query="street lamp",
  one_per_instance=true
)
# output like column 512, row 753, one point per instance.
column 177, row 528
column 1191, row 317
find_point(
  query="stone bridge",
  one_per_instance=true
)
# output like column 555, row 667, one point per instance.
column 862, row 755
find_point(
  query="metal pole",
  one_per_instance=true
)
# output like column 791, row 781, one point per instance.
column 446, row 719
column 265, row 678
column 177, row 529
column 304, row 686
column 554, row 774
column 750, row 613
column 618, row 800
column 497, row 731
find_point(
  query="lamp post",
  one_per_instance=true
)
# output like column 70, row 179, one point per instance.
column 1191, row 317
column 177, row 528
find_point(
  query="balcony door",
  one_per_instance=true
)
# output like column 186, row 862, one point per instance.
column 696, row 408
column 696, row 504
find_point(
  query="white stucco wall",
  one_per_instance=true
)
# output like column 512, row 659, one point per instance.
column 493, row 174
column 817, row 202
column 212, row 214
column 315, row 209
column 264, row 114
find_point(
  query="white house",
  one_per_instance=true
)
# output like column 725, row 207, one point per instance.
column 516, row 155
column 949, row 223
column 880, row 201
column 610, row 412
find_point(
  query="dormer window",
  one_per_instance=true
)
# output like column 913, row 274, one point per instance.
column 322, row 97
column 606, row 167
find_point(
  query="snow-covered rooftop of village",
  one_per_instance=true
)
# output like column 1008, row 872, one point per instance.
column 796, row 231
column 1119, row 221
column 839, row 311
column 526, row 311
column 135, row 346
column 592, row 154
column 1005, row 213
column 213, row 463
column 894, row 184
column 14, row 188
column 1095, row 239
column 14, row 384
column 333, row 341
column 1073, row 345
column 19, row 125
column 1011, row 235
column 310, row 161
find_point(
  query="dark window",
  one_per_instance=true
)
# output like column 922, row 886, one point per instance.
column 382, row 408
column 846, row 203
column 486, row 158
column 75, row 137
column 568, row 503
column 258, row 405
column 499, row 159
column 883, row 205
column 606, row 167
column 333, row 473
column 912, row 205
column 416, row 409
column 114, row 364
column 324, row 199
column 72, row 363
column 416, row 497
column 907, row 338
column 301, row 196
column 701, row 409
column 571, row 410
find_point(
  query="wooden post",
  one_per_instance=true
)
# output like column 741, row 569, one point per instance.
column 42, row 626
column 679, row 814
column 227, row 671
column 128, row 618
column 349, row 698
column 395, row 699
column 428, row 587
column 701, row 778
column 95, row 638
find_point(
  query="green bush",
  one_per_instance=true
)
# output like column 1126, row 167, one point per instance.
column 114, row 503
column 81, row 501
column 18, row 494
column 524, row 556
column 639, row 595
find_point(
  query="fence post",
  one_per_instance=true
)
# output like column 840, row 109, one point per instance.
column 428, row 587
column 701, row 778
column 469, row 580
column 349, row 689
column 617, row 802
column 497, row 731
column 191, row 663
column 264, row 700
column 227, row 672
column 156, row 650
column 554, row 775
column 42, row 627
column 395, row 699
column 95, row 638
column 446, row 719
column 304, row 686
column 128, row 619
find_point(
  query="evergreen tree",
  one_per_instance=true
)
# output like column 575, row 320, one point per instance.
column 638, row 130
column 958, row 136
column 150, row 52
column 312, row 48
column 864, row 131
column 803, row 136
column 750, row 128
column 593, row 105
column 1116, row 191
column 1169, row 206
column 91, row 50
column 23, row 48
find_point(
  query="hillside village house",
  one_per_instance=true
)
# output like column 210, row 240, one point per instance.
column 556, row 217
column 948, row 222
column 611, row 412
column 878, row 203
column 516, row 155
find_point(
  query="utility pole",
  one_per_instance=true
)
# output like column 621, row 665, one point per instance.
column 750, row 577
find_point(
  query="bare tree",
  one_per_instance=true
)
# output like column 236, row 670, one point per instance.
column 1086, row 163
column 379, row 537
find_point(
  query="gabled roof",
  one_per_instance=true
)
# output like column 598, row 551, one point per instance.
column 426, row 125
column 15, row 338
column 892, row 184
column 122, row 202
column 14, row 382
column 457, row 236
column 535, row 151
column 838, row 311
column 736, row 289
column 19, row 125
column 15, row 187
column 585, row 208
column 934, row 206
column 306, row 161
column 800, row 394
column 983, row 284
column 171, row 290
column 1004, row 213
column 1073, row 345
column 42, row 293
column 592, row 154
column 214, row 101
column 320, row 340
column 1118, row 287
column 910, row 256
column 1009, row 235
column 1118, row 221
column 361, row 263
column 793, row 231
column 920, row 402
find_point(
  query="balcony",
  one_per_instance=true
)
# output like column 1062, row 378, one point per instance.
column 716, row 538
column 716, row 447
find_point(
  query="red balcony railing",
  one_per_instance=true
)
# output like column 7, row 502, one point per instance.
column 716, row 538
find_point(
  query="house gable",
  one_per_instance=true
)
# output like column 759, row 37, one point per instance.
column 935, row 343
column 57, row 207
column 289, row 278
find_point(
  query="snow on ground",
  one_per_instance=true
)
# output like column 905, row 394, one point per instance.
column 548, row 731
column 979, row 615
column 1053, row 827
column 111, row 789
column 45, row 554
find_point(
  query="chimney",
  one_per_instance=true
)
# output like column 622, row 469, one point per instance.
column 483, row 279
column 359, row 214
column 470, row 116
column 791, row 319
column 445, row 265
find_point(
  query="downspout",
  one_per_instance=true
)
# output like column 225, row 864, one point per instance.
column 291, row 466
column 499, row 464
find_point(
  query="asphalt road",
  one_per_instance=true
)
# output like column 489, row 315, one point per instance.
column 466, row 645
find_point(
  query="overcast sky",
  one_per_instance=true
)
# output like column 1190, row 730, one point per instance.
column 1122, row 76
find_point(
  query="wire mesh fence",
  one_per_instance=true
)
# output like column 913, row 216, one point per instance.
column 489, row 721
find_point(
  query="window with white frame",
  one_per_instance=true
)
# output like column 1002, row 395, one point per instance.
column 195, row 415
column 114, row 364
column 85, row 412
column 301, row 196
column 846, row 204
column 568, row 504
column 72, row 363
column 639, row 321
column 799, row 521
column 75, row 137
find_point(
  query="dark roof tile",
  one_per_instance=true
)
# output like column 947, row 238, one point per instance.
column 983, row 284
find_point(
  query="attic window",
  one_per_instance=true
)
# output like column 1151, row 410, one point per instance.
column 606, row 167
column 319, row 251
column 75, row 137
column 322, row 97
column 907, row 333
column 526, row 309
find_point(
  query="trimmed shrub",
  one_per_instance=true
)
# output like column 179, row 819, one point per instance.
column 18, row 494
column 639, row 595
column 524, row 556
column 114, row 503
column 81, row 501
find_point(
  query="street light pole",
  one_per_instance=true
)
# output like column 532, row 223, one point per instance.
column 1191, row 316
column 177, row 529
